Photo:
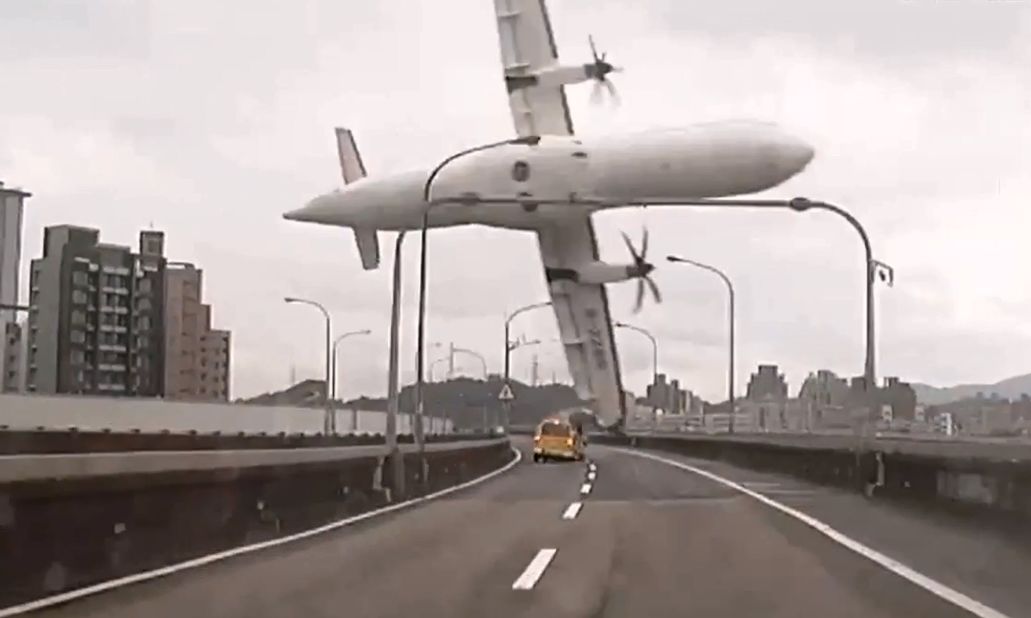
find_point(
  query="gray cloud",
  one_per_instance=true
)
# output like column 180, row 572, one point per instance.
column 211, row 120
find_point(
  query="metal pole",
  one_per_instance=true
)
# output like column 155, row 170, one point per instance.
column 336, row 348
column 799, row 204
column 328, row 422
column 394, row 454
column 330, row 412
column 655, row 362
column 509, row 346
column 730, row 293
column 427, row 188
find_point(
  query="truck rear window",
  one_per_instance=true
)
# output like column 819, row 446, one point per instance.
column 554, row 429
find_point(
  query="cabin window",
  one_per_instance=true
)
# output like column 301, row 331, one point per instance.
column 521, row 171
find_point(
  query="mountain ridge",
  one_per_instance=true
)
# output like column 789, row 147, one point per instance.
column 1010, row 388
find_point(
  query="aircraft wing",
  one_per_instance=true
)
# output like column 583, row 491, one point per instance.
column 527, row 45
column 583, row 317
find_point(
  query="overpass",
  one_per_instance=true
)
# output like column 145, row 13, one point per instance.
column 119, row 523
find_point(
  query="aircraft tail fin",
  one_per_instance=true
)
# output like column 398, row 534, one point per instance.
column 368, row 247
column 351, row 166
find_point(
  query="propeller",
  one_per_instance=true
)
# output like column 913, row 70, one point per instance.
column 641, row 269
column 598, row 70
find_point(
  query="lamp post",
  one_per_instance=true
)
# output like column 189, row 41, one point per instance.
column 393, row 405
column 655, row 361
column 336, row 345
column 509, row 346
column 730, row 321
column 429, row 204
column 798, row 204
column 329, row 422
column 483, row 365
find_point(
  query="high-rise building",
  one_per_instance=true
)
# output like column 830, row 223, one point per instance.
column 14, row 350
column 12, row 206
column 198, row 358
column 97, row 319
column 767, row 384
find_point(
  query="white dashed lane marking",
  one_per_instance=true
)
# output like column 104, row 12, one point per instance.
column 534, row 570
column 585, row 488
column 572, row 510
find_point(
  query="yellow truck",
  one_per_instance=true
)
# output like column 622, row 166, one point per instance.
column 557, row 438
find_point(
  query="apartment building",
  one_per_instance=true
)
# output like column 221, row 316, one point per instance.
column 198, row 357
column 97, row 318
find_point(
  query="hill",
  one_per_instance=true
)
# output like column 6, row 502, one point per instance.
column 1010, row 388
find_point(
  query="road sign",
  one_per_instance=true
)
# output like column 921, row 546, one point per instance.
column 506, row 393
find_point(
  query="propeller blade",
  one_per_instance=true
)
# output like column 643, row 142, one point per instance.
column 640, row 295
column 612, row 92
column 654, row 289
column 644, row 242
column 630, row 247
column 594, row 51
column 596, row 93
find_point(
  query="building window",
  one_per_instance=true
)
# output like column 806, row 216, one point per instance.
column 77, row 357
column 77, row 336
column 78, row 317
column 80, row 278
column 79, row 297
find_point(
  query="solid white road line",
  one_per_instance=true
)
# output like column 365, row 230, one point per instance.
column 933, row 586
column 585, row 488
column 572, row 510
column 64, row 597
column 534, row 570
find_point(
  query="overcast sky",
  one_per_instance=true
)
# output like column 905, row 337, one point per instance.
column 209, row 120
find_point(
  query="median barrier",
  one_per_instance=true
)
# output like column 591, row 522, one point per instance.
column 69, row 520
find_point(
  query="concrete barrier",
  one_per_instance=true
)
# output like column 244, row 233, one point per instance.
column 48, row 441
column 126, row 414
column 62, row 529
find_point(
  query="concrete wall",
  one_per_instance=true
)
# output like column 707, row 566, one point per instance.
column 26, row 411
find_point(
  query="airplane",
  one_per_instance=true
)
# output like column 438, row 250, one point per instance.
column 705, row 160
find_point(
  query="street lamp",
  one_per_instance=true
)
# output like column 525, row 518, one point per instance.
column 430, row 204
column 396, row 459
column 329, row 422
column 798, row 204
column 730, row 320
column 801, row 204
column 336, row 344
column 512, row 345
column 483, row 361
column 655, row 360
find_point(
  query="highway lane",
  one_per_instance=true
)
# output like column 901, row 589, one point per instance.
column 649, row 540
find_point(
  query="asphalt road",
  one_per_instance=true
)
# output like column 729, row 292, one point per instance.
column 650, row 540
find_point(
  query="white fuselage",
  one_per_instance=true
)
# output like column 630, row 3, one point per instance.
column 700, row 161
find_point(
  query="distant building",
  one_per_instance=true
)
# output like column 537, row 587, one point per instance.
column 767, row 384
column 12, row 206
column 668, row 397
column 898, row 397
column 824, row 388
column 14, row 352
column 198, row 357
column 97, row 318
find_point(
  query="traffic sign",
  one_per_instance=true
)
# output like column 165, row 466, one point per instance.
column 506, row 393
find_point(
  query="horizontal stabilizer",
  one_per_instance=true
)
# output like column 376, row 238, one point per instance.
column 351, row 166
column 368, row 247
